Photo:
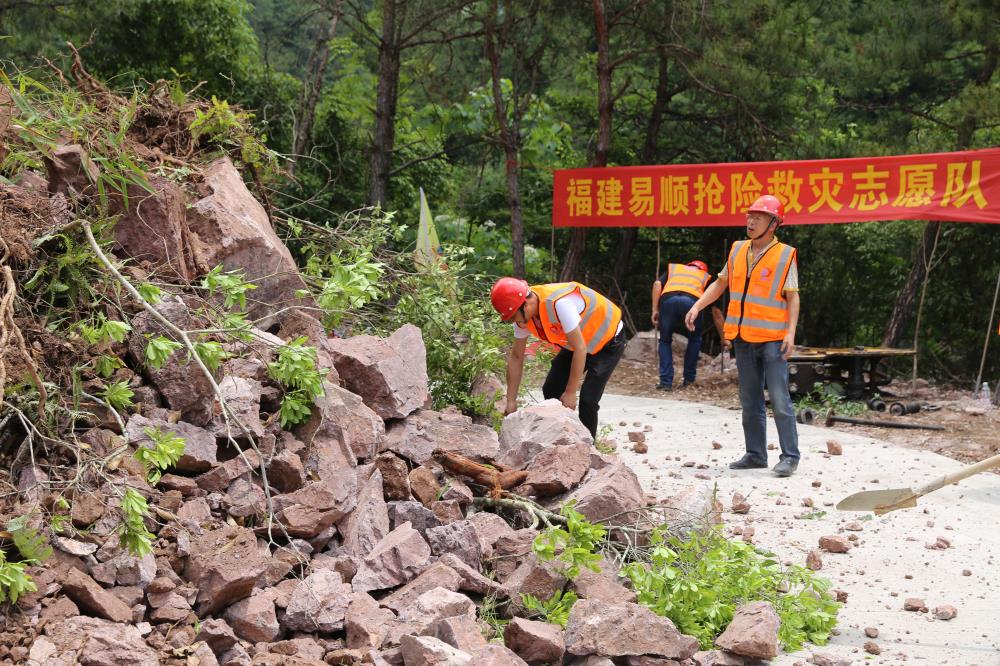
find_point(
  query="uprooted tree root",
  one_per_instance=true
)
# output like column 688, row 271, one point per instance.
column 10, row 332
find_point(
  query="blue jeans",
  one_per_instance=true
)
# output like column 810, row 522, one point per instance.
column 673, row 308
column 760, row 364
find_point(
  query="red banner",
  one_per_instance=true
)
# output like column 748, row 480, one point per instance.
column 954, row 187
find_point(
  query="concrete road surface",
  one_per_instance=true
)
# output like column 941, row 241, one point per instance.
column 890, row 561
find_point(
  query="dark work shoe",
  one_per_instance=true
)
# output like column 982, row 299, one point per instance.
column 747, row 462
column 663, row 387
column 786, row 467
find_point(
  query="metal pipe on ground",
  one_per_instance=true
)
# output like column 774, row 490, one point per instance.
column 806, row 416
column 901, row 408
column 831, row 419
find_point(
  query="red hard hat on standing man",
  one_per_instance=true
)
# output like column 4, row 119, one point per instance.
column 769, row 204
column 508, row 294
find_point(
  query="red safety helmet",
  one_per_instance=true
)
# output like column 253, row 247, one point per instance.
column 507, row 295
column 769, row 204
column 699, row 264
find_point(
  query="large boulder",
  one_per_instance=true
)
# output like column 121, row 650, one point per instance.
column 200, row 448
column 397, row 558
column 608, row 492
column 341, row 430
column 231, row 228
column 242, row 397
column 180, row 381
column 319, row 603
column 153, row 227
column 91, row 642
column 310, row 510
column 753, row 631
column 437, row 575
column 458, row 538
column 430, row 651
column 617, row 630
column 541, row 580
column 364, row 527
column 557, row 469
column 691, row 508
column 94, row 599
column 254, row 619
column 535, row 641
column 366, row 622
column 70, row 171
column 390, row 373
column 416, row 437
column 224, row 564
column 528, row 431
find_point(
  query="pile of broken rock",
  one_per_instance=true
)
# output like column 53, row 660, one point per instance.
column 341, row 541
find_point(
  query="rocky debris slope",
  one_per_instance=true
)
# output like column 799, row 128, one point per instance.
column 341, row 540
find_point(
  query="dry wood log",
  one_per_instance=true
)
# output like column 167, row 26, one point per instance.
column 493, row 476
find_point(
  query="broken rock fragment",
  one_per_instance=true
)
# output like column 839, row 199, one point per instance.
column 389, row 374
column 753, row 631
column 535, row 641
column 319, row 603
column 396, row 559
column 834, row 544
column 614, row 630
column 224, row 565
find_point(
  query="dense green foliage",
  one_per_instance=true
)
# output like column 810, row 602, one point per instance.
column 753, row 80
column 697, row 581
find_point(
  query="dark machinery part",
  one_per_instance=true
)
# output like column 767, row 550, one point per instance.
column 831, row 419
column 901, row 408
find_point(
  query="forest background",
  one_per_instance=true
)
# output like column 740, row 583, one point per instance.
column 477, row 102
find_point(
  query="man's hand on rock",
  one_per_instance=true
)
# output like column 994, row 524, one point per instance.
column 568, row 400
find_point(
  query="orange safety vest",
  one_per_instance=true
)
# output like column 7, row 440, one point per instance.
column 598, row 321
column 758, row 311
column 687, row 279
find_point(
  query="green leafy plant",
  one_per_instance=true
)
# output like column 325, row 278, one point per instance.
column 347, row 287
column 488, row 612
column 827, row 397
column 150, row 292
column 554, row 610
column 159, row 350
column 14, row 580
column 231, row 127
column 118, row 395
column 295, row 368
column 211, row 354
column 105, row 330
column 462, row 334
column 575, row 545
column 106, row 364
column 232, row 285
column 132, row 532
column 30, row 543
column 700, row 582
column 167, row 449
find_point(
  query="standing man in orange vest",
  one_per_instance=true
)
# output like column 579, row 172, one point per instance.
column 762, row 277
column 588, row 327
column 673, row 295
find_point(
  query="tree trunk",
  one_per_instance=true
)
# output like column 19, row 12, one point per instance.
column 630, row 235
column 605, row 103
column 312, row 85
column 511, row 140
column 384, row 134
column 908, row 294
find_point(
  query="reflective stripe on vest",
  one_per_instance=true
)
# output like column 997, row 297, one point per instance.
column 685, row 279
column 598, row 321
column 758, row 311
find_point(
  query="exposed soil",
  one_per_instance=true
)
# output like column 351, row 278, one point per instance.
column 969, row 435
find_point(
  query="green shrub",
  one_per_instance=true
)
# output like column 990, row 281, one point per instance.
column 699, row 583
column 461, row 332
